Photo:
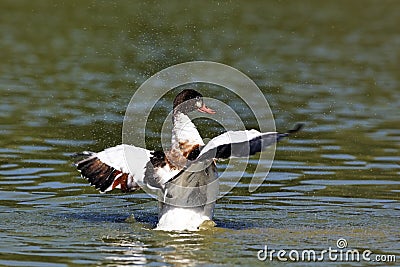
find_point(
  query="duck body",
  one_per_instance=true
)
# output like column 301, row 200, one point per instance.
column 189, row 200
column 185, row 177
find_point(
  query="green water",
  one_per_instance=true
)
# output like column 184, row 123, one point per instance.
column 68, row 70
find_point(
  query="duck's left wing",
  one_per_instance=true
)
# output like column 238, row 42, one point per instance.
column 241, row 143
column 235, row 144
column 123, row 167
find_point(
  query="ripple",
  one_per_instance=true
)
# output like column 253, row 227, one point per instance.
column 339, row 156
column 356, row 162
column 386, row 134
column 46, row 161
column 7, row 166
column 383, row 166
column 305, row 188
column 21, row 196
column 18, row 173
column 319, row 172
column 48, row 185
column 8, row 150
column 388, row 158
column 364, row 201
column 350, row 182
column 276, row 194
column 331, row 147
column 296, row 148
column 282, row 176
column 69, row 142
column 36, row 148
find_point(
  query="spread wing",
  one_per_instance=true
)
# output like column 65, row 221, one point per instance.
column 235, row 144
column 123, row 167
column 241, row 143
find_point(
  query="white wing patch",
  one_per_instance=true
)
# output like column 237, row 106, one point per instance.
column 136, row 159
column 240, row 141
column 122, row 167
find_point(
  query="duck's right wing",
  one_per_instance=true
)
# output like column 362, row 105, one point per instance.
column 124, row 167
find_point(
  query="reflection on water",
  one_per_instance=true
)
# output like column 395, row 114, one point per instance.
column 125, row 251
column 69, row 70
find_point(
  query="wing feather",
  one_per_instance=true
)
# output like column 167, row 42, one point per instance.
column 235, row 144
column 241, row 143
column 121, row 167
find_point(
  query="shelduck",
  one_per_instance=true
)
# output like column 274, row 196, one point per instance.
column 185, row 176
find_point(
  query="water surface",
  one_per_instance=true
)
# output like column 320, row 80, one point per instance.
column 68, row 71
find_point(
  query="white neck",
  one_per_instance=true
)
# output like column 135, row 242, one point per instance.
column 185, row 131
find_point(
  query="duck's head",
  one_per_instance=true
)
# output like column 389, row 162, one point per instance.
column 190, row 100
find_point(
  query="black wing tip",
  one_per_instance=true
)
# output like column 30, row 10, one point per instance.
column 81, row 157
column 296, row 128
column 82, row 154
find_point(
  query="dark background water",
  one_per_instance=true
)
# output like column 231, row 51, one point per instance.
column 68, row 70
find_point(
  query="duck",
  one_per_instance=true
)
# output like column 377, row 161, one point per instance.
column 185, row 178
